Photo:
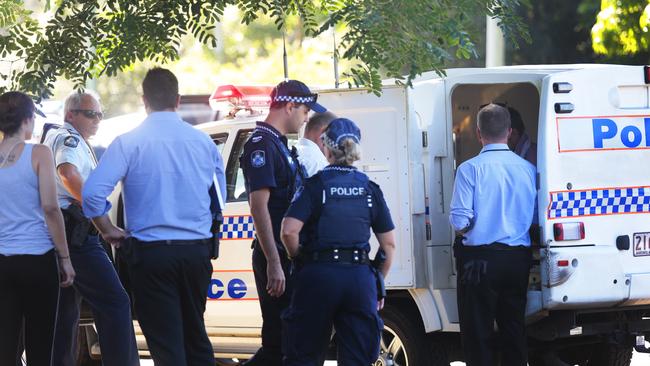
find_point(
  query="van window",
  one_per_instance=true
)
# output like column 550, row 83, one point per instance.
column 466, row 101
column 236, row 188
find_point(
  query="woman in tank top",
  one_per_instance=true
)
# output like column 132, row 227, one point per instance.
column 34, row 259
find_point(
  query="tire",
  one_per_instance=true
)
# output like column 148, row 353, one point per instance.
column 404, row 343
column 610, row 355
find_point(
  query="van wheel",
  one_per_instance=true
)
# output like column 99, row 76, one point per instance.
column 599, row 354
column 403, row 342
column 610, row 355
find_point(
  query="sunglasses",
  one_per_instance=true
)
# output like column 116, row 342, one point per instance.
column 88, row 113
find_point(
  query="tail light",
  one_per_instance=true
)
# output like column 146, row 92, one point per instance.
column 560, row 269
column 563, row 231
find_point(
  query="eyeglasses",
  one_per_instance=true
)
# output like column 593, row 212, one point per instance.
column 89, row 113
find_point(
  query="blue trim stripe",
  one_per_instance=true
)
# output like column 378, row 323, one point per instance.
column 237, row 227
column 599, row 202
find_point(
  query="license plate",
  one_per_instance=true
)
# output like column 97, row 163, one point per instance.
column 641, row 244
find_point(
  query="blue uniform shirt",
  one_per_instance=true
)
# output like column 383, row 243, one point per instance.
column 267, row 163
column 308, row 203
column 166, row 167
column 494, row 195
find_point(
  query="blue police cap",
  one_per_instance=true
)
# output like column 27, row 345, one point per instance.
column 297, row 92
column 340, row 128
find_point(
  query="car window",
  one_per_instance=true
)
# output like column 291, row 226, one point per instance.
column 220, row 140
column 235, row 187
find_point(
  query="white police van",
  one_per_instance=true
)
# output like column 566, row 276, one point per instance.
column 589, row 291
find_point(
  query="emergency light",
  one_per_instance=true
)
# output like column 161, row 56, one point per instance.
column 243, row 97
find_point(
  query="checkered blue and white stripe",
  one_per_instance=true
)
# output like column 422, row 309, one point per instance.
column 288, row 98
column 237, row 227
column 599, row 202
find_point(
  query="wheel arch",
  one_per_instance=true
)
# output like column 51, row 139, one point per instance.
column 420, row 302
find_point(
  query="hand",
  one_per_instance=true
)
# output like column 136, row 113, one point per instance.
column 66, row 272
column 114, row 236
column 473, row 271
column 380, row 304
column 276, row 281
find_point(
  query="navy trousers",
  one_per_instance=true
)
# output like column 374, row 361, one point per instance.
column 270, row 354
column 326, row 294
column 98, row 284
column 170, row 284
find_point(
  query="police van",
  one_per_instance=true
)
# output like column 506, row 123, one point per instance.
column 589, row 289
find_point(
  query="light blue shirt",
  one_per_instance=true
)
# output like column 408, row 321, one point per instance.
column 494, row 195
column 166, row 168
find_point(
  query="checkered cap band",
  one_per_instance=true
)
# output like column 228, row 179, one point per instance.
column 289, row 98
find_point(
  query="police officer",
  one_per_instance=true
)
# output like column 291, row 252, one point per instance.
column 492, row 207
column 97, row 282
column 167, row 169
column 311, row 153
column 272, row 174
column 335, row 284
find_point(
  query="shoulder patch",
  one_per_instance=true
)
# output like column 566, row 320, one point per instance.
column 256, row 139
column 71, row 141
column 258, row 159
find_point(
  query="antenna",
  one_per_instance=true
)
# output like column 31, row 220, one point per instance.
column 284, row 57
column 336, row 59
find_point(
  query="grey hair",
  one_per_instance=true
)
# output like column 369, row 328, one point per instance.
column 347, row 152
column 73, row 101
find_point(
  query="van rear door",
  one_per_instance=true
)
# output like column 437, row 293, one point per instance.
column 594, row 187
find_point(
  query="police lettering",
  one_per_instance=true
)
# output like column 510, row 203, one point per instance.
column 631, row 136
column 236, row 289
column 347, row 191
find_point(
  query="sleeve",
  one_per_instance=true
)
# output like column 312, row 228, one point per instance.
column 258, row 164
column 301, row 206
column 66, row 150
column 101, row 182
column 220, row 173
column 462, row 200
column 381, row 219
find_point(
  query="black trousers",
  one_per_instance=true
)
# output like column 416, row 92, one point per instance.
column 270, row 353
column 170, row 284
column 29, row 290
column 499, row 296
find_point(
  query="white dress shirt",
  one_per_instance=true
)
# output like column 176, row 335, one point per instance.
column 310, row 156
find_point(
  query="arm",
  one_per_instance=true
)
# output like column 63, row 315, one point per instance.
column 462, row 201
column 44, row 166
column 290, row 235
column 262, row 219
column 387, row 243
column 101, row 181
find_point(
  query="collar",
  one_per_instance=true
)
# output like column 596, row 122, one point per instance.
column 340, row 168
column 162, row 116
column 68, row 126
column 308, row 143
column 268, row 128
column 492, row 147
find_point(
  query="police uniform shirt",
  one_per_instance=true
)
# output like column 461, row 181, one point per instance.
column 69, row 147
column 265, row 165
column 166, row 167
column 494, row 196
column 308, row 201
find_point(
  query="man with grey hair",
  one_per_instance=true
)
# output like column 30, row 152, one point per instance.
column 310, row 146
column 491, row 210
column 97, row 282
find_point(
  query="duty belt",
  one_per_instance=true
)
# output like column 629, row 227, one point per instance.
column 172, row 242
column 343, row 256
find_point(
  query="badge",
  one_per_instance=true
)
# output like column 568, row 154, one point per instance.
column 257, row 139
column 71, row 141
column 296, row 195
column 257, row 159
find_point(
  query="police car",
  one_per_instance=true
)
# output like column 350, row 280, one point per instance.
column 589, row 290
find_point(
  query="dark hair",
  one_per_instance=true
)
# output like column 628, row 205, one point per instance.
column 516, row 122
column 318, row 121
column 15, row 107
column 160, row 88
column 493, row 121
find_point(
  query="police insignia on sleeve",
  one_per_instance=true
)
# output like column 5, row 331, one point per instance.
column 71, row 141
column 258, row 159
column 256, row 139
